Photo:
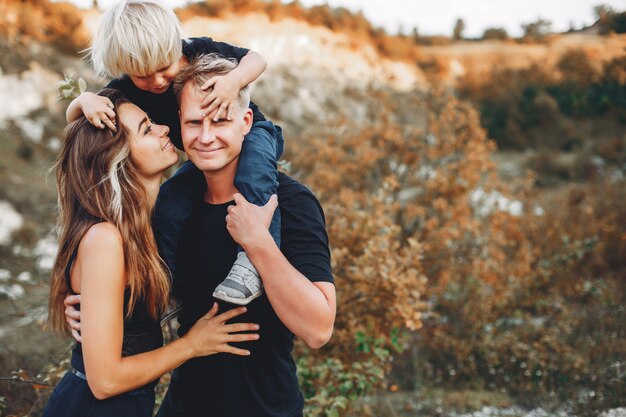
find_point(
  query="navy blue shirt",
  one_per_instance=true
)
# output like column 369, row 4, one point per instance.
column 163, row 108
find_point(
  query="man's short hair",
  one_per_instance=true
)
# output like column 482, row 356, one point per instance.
column 136, row 37
column 205, row 67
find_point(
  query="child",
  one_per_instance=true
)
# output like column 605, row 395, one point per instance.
column 139, row 41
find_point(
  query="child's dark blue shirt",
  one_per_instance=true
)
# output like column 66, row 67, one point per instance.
column 163, row 108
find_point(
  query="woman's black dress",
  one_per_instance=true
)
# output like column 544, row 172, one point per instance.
column 72, row 396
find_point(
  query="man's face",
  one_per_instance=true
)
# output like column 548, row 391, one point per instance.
column 211, row 146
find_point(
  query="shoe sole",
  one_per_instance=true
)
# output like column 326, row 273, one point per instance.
column 239, row 301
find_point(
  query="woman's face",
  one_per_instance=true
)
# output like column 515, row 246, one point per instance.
column 150, row 147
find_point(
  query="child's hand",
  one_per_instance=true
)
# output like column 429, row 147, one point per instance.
column 98, row 110
column 222, row 98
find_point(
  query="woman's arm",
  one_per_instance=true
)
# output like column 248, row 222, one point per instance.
column 99, row 276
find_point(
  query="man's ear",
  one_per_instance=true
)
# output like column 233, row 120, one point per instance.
column 178, row 114
column 247, row 119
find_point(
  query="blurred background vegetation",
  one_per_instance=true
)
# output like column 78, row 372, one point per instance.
column 476, row 215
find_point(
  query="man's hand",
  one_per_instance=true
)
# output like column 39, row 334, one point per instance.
column 248, row 223
column 222, row 99
column 72, row 315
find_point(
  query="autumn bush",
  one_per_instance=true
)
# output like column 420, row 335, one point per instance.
column 541, row 106
column 57, row 23
column 495, row 33
column 555, row 330
column 397, row 204
column 509, row 282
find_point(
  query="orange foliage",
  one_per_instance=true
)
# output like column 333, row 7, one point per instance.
column 56, row 23
column 338, row 19
column 502, row 299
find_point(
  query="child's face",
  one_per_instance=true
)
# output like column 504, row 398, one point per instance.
column 160, row 81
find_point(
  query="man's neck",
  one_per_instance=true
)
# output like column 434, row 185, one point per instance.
column 220, row 185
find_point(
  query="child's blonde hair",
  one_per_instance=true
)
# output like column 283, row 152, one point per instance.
column 136, row 37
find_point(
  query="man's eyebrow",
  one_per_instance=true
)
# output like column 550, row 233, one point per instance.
column 144, row 120
column 192, row 118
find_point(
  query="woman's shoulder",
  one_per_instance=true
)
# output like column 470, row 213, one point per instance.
column 101, row 237
column 100, row 257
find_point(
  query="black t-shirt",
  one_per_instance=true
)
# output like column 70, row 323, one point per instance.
column 163, row 108
column 265, row 383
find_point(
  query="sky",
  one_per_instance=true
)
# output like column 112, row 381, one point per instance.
column 438, row 17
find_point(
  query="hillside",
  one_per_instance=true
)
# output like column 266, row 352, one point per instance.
column 324, row 39
column 293, row 42
column 480, row 59
column 410, row 160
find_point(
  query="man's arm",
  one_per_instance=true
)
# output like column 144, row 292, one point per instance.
column 307, row 308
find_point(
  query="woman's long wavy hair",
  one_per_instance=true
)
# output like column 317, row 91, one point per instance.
column 98, row 181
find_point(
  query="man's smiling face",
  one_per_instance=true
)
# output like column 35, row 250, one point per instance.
column 211, row 146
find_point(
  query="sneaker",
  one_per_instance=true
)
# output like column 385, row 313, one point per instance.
column 243, row 283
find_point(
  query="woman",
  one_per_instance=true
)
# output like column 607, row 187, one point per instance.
column 107, row 184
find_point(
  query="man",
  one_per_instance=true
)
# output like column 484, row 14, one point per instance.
column 198, row 229
column 299, row 294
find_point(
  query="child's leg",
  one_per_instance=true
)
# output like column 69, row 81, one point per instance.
column 256, row 180
column 257, row 174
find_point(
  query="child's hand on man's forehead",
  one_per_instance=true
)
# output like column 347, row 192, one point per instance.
column 223, row 91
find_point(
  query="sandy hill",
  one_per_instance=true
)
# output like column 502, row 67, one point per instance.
column 481, row 58
column 295, row 43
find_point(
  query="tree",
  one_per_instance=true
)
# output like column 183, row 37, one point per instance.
column 618, row 22
column 459, row 27
column 537, row 30
column 572, row 27
column 602, row 11
column 415, row 35
column 603, row 14
column 495, row 33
